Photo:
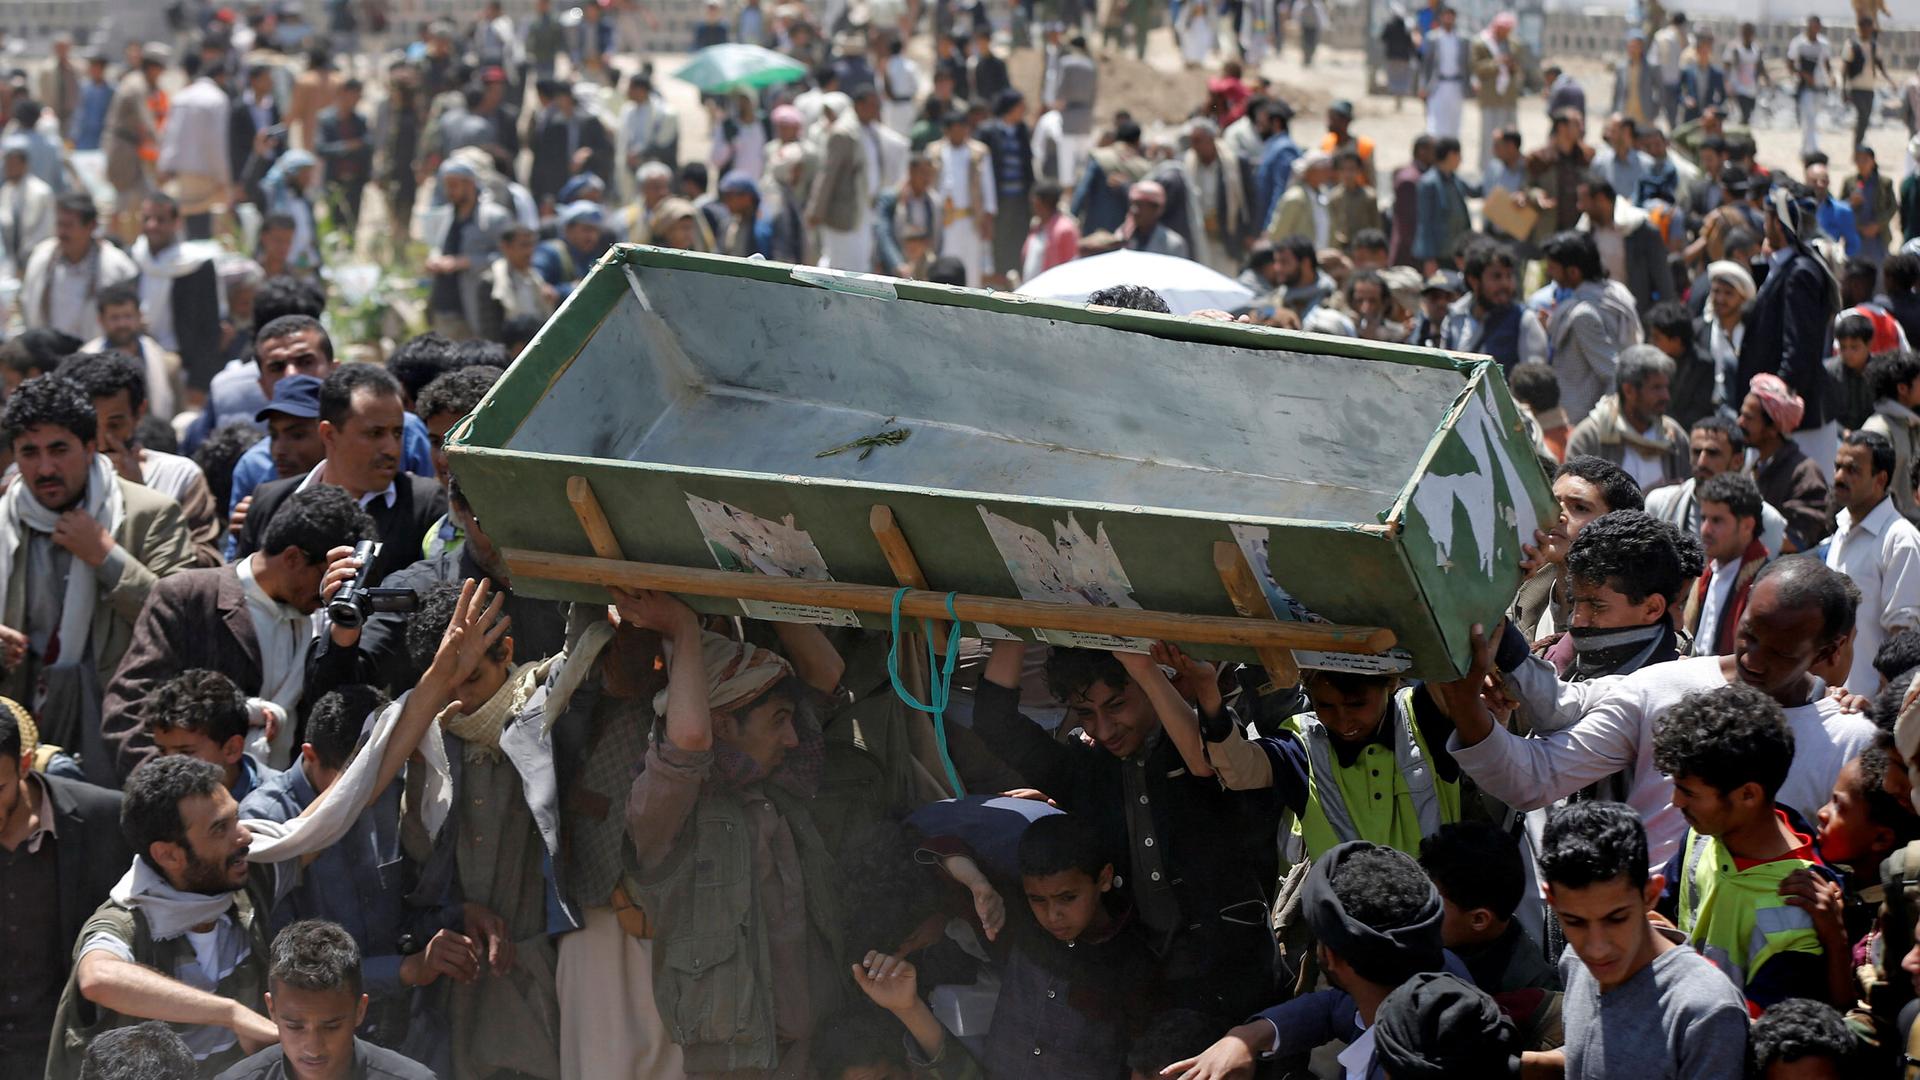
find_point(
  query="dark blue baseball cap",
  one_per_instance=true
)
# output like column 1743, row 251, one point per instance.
column 294, row 395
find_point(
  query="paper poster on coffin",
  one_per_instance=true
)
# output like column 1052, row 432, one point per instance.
column 1071, row 568
column 747, row 544
column 1253, row 544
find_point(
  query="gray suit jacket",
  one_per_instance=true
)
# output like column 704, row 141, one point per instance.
column 194, row 619
column 479, row 241
column 1079, row 85
column 1430, row 64
column 840, row 191
column 1649, row 88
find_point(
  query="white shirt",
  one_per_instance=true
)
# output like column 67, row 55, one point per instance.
column 870, row 153
column 1670, row 49
column 636, row 125
column 1817, row 51
column 194, row 142
column 1446, row 64
column 1357, row 1058
column 318, row 476
column 1588, row 731
column 1647, row 470
column 1046, row 142
column 1743, row 68
column 1882, row 556
column 953, row 180
column 216, row 953
column 1719, row 591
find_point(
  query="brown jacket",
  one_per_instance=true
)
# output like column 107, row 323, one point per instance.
column 153, row 536
column 130, row 128
column 194, row 619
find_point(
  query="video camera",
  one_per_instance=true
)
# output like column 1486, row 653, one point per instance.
column 355, row 600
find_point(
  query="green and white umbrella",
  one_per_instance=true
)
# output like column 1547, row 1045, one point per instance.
column 718, row 69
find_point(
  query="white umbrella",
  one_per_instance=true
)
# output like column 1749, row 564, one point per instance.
column 1187, row 286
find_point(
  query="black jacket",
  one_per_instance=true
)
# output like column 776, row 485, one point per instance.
column 1218, row 846
column 380, row 658
column 195, row 298
column 1790, row 332
column 551, row 165
column 1693, row 378
column 350, row 167
column 240, row 133
column 90, row 849
column 418, row 502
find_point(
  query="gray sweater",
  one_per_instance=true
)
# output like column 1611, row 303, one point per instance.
column 1680, row 1018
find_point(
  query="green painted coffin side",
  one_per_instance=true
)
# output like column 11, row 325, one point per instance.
column 1416, row 564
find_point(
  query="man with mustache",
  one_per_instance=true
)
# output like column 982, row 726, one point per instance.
column 183, row 935
column 79, row 549
column 362, row 425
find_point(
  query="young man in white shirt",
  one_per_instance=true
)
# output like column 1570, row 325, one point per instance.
column 1809, row 59
column 1746, row 65
column 1876, row 547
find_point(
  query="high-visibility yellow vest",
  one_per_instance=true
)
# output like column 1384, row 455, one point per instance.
column 1737, row 918
column 1388, row 796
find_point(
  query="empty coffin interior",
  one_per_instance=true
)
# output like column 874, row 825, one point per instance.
column 713, row 371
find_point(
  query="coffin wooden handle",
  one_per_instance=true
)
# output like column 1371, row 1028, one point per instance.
column 1251, row 602
column 593, row 519
column 878, row 599
column 900, row 557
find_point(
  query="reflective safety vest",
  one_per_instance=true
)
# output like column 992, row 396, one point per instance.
column 1737, row 918
column 1387, row 796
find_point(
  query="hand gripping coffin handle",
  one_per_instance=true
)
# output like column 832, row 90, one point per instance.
column 939, row 681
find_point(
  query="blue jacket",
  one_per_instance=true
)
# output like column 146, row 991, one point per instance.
column 562, row 265
column 1098, row 204
column 1271, row 179
column 1313, row 1020
column 1442, row 202
column 361, row 882
column 1836, row 220
column 1695, row 98
column 90, row 118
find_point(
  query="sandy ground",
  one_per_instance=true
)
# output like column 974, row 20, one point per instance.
column 1162, row 92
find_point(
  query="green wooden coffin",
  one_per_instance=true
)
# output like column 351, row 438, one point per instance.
column 1027, row 448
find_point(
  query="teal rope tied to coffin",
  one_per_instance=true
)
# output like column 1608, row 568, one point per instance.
column 940, row 679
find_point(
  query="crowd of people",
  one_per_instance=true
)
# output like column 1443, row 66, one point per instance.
column 293, row 782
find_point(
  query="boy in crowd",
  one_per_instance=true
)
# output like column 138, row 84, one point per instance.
column 1197, row 858
column 1626, row 572
column 1800, row 1039
column 1638, row 1002
column 1079, row 987
column 1727, row 752
column 1585, row 487
column 1477, row 869
column 202, row 714
column 314, row 999
column 1081, row 982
